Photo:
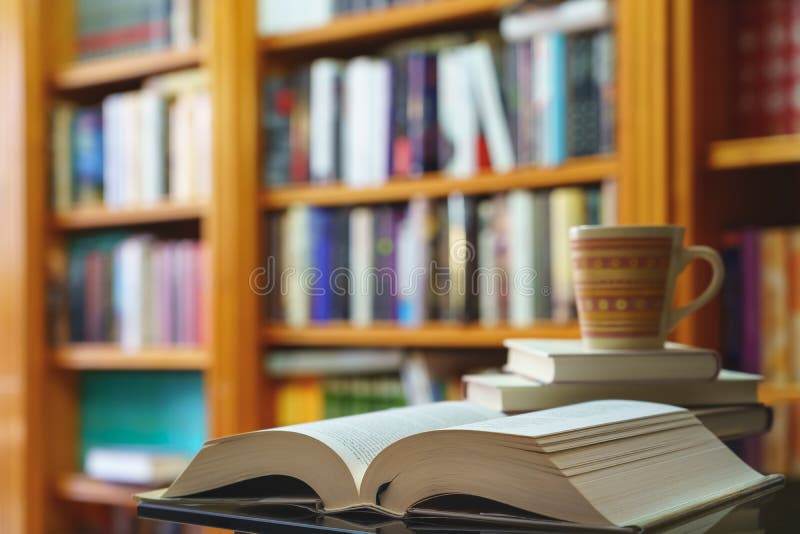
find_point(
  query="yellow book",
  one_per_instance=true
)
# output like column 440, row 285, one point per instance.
column 774, row 304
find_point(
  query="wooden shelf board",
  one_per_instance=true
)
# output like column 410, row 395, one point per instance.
column 433, row 185
column 431, row 334
column 754, row 152
column 77, row 487
column 97, row 356
column 391, row 23
column 770, row 393
column 92, row 72
column 101, row 217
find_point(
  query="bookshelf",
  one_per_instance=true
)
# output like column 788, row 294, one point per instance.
column 108, row 356
column 94, row 218
column 584, row 170
column 42, row 486
column 96, row 72
column 425, row 336
column 754, row 152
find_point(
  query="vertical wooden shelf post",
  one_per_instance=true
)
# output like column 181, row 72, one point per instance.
column 233, row 219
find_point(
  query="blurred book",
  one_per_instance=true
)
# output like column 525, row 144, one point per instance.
column 448, row 260
column 113, row 28
column 134, row 465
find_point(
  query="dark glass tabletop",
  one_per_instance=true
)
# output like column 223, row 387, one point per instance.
column 772, row 514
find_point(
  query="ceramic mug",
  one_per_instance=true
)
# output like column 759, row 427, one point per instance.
column 625, row 279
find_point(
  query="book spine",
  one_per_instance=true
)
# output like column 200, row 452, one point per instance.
column 751, row 266
column 603, row 76
column 774, row 305
column 794, row 303
column 567, row 209
column 362, row 262
column 298, row 252
column 323, row 127
column 87, row 150
column 488, row 284
column 299, row 127
column 583, row 104
column 61, row 140
column 320, row 246
column 732, row 300
column 341, row 277
column 524, row 117
column 555, row 116
column 278, row 97
column 522, row 297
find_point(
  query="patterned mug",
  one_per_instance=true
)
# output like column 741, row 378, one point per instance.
column 625, row 279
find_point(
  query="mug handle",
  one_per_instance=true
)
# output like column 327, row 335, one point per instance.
column 688, row 255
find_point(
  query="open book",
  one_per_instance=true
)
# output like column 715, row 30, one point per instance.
column 605, row 462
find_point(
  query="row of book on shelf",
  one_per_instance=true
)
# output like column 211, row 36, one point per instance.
column 455, row 104
column 494, row 260
column 278, row 16
column 316, row 384
column 766, row 81
column 135, row 148
column 110, row 28
column 133, row 289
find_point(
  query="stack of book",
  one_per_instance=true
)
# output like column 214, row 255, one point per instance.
column 543, row 374
column 110, row 28
column 444, row 260
column 135, row 290
column 314, row 384
column 761, row 325
column 278, row 16
column 456, row 104
column 136, row 148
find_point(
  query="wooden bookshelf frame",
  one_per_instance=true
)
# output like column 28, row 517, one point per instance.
column 108, row 356
column 584, row 170
column 94, row 72
column 41, row 487
column 100, row 217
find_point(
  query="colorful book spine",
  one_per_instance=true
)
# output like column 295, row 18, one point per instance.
column 751, row 302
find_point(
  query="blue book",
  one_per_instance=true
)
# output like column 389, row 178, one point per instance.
column 732, row 301
column 322, row 260
column 87, row 155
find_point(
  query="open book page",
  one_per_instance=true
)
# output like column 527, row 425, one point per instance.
column 359, row 438
column 572, row 417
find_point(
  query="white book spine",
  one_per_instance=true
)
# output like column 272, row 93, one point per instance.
column 203, row 150
column 110, row 107
column 151, row 142
column 571, row 16
column 322, row 142
column 362, row 264
column 489, row 104
column 521, row 251
column 542, row 96
column 488, row 290
column 456, row 112
column 299, row 237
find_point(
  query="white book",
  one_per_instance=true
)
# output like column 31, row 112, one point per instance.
column 203, row 149
column 180, row 23
column 362, row 263
column 609, row 204
column 380, row 115
column 488, row 101
column 152, row 145
column 515, row 393
column 456, row 110
column 131, row 161
column 131, row 273
column 567, row 360
column 521, row 251
column 358, row 127
column 322, row 120
column 134, row 466
column 111, row 149
column 542, row 97
column 570, row 16
column 298, row 255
